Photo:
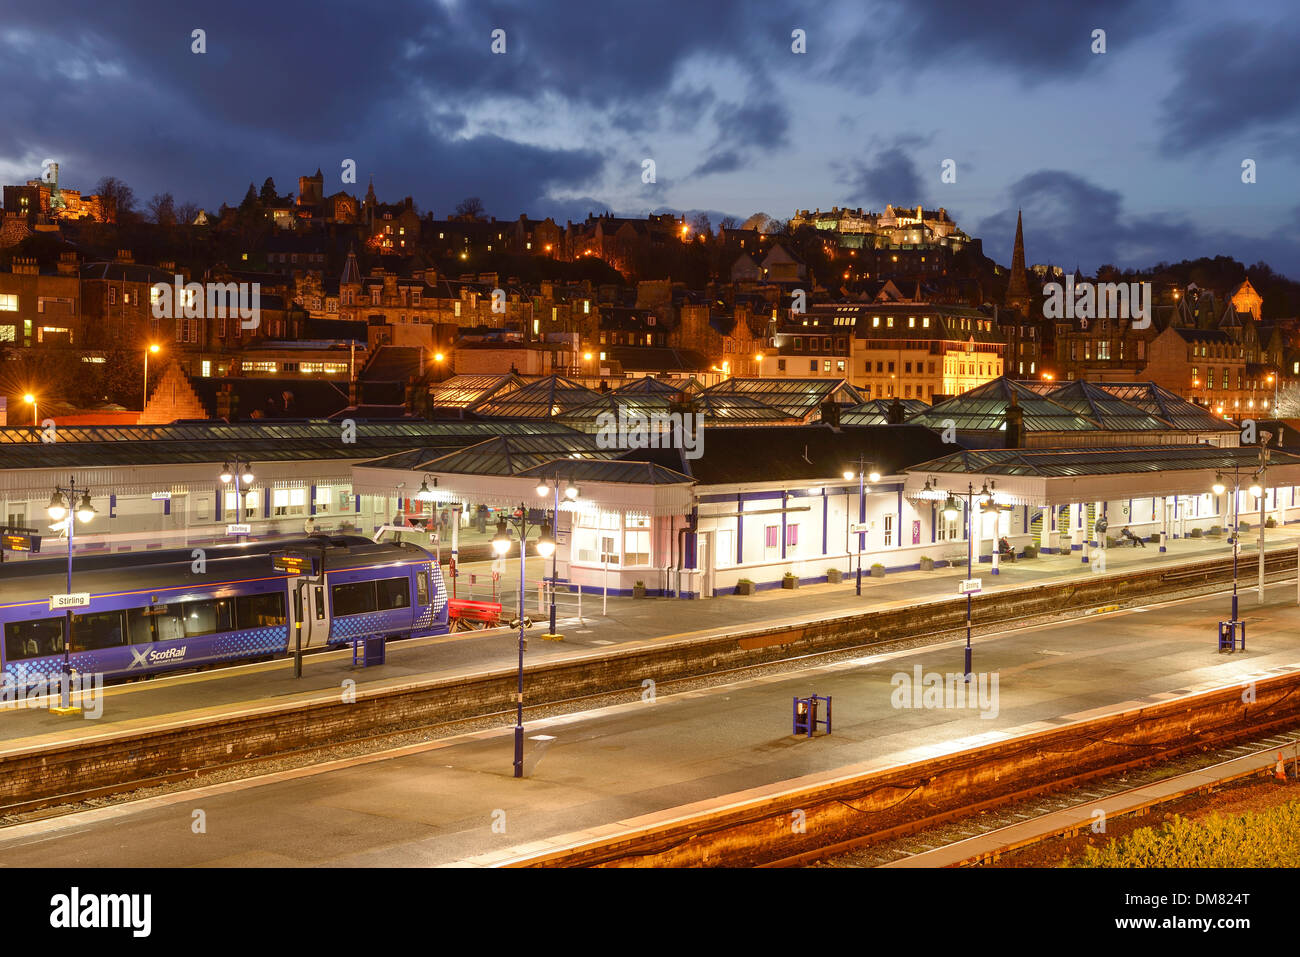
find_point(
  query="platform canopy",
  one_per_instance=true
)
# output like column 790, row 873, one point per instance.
column 1068, row 476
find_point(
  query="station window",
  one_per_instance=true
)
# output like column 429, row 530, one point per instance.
column 289, row 501
column 889, row 529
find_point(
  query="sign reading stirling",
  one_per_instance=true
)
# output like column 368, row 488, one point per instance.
column 20, row 539
column 293, row 563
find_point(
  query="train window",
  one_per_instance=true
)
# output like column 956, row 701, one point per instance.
column 154, row 623
column 393, row 593
column 260, row 611
column 207, row 617
column 422, row 588
column 355, row 598
column 99, row 630
column 33, row 639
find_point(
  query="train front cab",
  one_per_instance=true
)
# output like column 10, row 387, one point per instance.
column 359, row 601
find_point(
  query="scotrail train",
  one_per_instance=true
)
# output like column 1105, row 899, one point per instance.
column 167, row 610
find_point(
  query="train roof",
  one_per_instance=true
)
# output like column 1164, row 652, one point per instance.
column 35, row 580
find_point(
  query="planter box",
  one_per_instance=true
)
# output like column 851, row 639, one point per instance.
column 927, row 564
column 877, row 573
column 638, row 591
column 834, row 576
column 789, row 582
column 744, row 588
column 1030, row 552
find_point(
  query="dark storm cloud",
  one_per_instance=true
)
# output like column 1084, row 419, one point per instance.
column 724, row 162
column 1028, row 37
column 889, row 177
column 1234, row 80
column 760, row 127
column 284, row 88
column 1069, row 221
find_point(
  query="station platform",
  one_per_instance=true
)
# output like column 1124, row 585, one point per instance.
column 454, row 801
column 172, row 699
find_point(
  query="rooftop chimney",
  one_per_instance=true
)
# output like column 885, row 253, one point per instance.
column 1015, row 422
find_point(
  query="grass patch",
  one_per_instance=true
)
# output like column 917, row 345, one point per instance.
column 1253, row 839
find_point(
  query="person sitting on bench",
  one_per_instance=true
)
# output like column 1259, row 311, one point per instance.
column 1130, row 537
column 1005, row 549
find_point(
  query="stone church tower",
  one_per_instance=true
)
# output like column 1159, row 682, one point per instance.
column 1018, row 288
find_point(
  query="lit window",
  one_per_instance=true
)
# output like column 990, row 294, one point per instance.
column 9, row 302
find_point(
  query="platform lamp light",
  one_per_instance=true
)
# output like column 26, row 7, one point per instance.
column 153, row 348
column 60, row 509
column 571, row 494
column 545, row 548
column 240, row 472
column 863, row 477
column 951, row 509
column 31, row 400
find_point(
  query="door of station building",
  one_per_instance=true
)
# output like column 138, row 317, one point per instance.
column 704, row 562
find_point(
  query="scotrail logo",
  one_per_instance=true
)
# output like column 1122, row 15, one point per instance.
column 85, row 691
column 188, row 300
column 1105, row 300
column 658, row 430
column 934, row 690
column 149, row 655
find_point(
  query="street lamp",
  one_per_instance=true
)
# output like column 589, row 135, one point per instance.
column 862, row 506
column 154, row 348
column 241, row 473
column 545, row 548
column 571, row 494
column 31, row 400
column 61, row 509
column 951, row 509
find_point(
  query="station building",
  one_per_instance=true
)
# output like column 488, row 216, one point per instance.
column 160, row 486
column 784, row 479
column 761, row 503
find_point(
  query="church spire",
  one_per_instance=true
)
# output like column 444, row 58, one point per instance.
column 1018, row 287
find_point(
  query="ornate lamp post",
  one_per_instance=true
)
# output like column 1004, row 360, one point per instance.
column 863, row 477
column 545, row 548
column 570, row 494
column 60, row 509
column 951, row 509
column 241, row 473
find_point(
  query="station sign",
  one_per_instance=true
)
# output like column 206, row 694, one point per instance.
column 859, row 528
column 161, row 496
column 20, row 539
column 239, row 529
column 969, row 586
column 293, row 563
column 75, row 600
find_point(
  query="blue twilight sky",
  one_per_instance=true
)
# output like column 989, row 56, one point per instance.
column 1130, row 157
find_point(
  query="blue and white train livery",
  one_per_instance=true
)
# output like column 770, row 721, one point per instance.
column 164, row 610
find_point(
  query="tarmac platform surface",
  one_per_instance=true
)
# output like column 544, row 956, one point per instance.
column 171, row 699
column 454, row 800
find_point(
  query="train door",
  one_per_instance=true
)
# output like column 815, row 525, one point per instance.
column 307, row 605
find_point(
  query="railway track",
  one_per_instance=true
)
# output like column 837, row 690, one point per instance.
column 1071, row 794
column 1185, row 584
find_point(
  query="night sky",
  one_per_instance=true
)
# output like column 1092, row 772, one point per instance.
column 1129, row 157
